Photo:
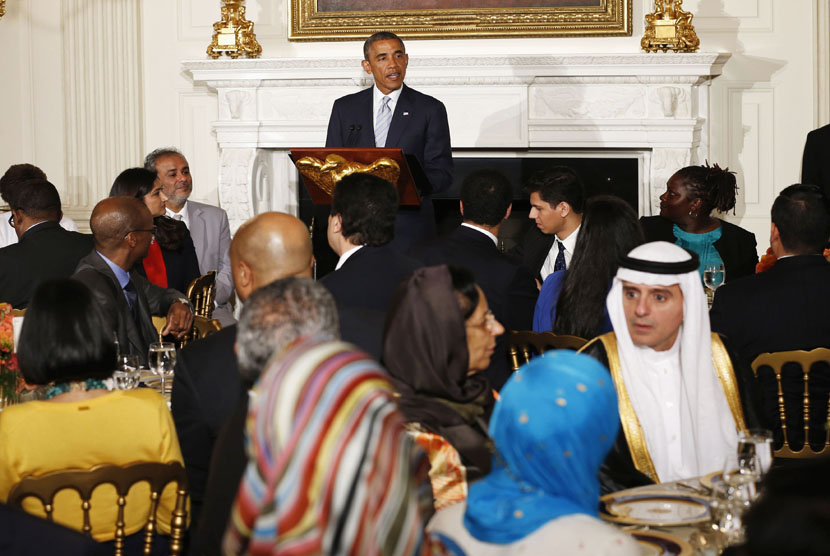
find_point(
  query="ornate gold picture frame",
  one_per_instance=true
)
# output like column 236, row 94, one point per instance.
column 331, row 20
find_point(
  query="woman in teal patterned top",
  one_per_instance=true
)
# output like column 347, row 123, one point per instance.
column 692, row 193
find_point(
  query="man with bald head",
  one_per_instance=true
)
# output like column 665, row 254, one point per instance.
column 208, row 390
column 122, row 230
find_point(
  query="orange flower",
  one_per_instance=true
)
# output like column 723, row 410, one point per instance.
column 767, row 261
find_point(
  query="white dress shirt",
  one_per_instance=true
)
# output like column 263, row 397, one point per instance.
column 181, row 215
column 345, row 256
column 569, row 243
column 493, row 238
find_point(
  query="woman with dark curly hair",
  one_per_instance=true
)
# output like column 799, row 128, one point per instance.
column 171, row 261
column 685, row 220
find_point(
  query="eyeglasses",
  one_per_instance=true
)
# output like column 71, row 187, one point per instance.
column 489, row 322
column 150, row 231
column 11, row 220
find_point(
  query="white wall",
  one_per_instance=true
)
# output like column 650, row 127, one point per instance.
column 770, row 95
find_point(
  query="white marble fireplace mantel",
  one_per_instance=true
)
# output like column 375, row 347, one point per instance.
column 654, row 105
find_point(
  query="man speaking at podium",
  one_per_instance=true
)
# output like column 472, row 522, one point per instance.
column 390, row 114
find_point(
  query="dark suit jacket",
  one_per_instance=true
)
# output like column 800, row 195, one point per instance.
column 736, row 246
column 44, row 252
column 785, row 308
column 815, row 168
column 205, row 391
column 152, row 300
column 532, row 251
column 509, row 288
column 419, row 126
column 618, row 471
column 362, row 288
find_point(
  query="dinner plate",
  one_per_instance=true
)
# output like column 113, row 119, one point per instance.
column 655, row 508
column 654, row 543
column 708, row 481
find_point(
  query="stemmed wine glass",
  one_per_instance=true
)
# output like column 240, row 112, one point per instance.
column 162, row 359
column 713, row 278
column 128, row 374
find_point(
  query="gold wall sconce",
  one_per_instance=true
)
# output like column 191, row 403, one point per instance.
column 234, row 35
column 668, row 27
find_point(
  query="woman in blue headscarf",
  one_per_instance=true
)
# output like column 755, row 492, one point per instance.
column 556, row 421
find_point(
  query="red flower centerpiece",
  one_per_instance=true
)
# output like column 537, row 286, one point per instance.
column 11, row 382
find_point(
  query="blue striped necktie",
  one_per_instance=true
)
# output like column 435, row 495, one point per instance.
column 382, row 122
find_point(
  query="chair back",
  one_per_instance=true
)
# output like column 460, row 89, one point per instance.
column 18, row 312
column 84, row 481
column 201, row 292
column 806, row 360
column 523, row 345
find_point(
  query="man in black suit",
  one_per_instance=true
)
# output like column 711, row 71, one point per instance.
column 210, row 397
column 486, row 201
column 814, row 166
column 122, row 230
column 44, row 250
column 786, row 307
column 390, row 114
column 360, row 227
column 557, row 201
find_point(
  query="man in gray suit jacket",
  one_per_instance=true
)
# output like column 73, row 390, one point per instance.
column 208, row 225
column 122, row 229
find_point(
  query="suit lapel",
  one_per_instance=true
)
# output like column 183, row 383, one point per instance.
column 365, row 137
column 198, row 232
column 133, row 333
column 400, row 119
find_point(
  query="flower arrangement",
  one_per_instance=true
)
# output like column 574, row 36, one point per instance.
column 11, row 382
column 768, row 260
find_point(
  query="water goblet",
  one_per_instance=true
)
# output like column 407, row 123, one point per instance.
column 755, row 448
column 162, row 359
column 713, row 277
column 127, row 375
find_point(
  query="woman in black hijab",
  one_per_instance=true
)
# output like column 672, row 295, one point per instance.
column 439, row 334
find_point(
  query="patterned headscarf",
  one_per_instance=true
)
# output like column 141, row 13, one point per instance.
column 331, row 469
column 553, row 426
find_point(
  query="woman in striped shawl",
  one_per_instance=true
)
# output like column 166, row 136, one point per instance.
column 330, row 466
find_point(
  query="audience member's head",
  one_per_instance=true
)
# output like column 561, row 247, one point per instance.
column 141, row 184
column 792, row 516
column 800, row 221
column 439, row 333
column 14, row 176
column 486, row 197
column 363, row 211
column 269, row 246
column 610, row 230
column 173, row 172
column 540, row 424
column 692, row 192
column 279, row 313
column 34, row 201
column 122, row 229
column 64, row 336
column 557, row 199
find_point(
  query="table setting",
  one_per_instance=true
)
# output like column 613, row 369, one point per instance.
column 696, row 516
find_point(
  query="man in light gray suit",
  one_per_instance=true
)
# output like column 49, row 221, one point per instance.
column 208, row 225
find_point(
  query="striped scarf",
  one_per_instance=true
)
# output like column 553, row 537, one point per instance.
column 330, row 467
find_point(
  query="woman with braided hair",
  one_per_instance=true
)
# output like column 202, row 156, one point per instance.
column 692, row 193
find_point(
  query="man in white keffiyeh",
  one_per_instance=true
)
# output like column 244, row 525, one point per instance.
column 679, row 397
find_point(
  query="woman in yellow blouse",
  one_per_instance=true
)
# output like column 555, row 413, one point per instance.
column 81, row 424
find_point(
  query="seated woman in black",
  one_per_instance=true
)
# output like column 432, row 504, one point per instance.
column 685, row 220
column 171, row 261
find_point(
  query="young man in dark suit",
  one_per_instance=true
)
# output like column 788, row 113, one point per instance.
column 368, row 271
column 390, row 114
column 486, row 201
column 44, row 250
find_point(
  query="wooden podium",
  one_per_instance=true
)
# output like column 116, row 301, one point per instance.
column 322, row 168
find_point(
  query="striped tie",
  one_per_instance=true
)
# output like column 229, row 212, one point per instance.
column 382, row 123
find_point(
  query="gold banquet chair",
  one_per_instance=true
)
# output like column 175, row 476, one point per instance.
column 808, row 405
column 202, row 292
column 122, row 478
column 202, row 327
column 523, row 345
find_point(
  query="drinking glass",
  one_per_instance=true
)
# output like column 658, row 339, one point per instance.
column 128, row 374
column 755, row 448
column 727, row 513
column 162, row 359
